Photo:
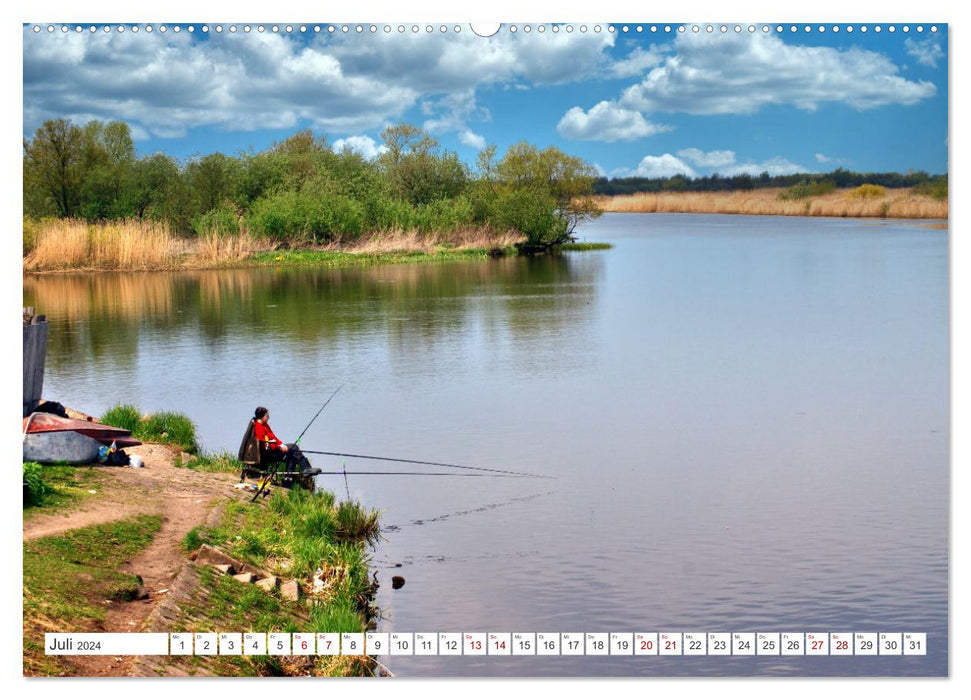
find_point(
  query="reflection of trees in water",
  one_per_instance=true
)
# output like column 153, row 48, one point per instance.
column 412, row 306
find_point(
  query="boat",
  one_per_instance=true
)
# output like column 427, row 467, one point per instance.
column 49, row 438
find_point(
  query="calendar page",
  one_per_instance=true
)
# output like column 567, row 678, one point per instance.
column 437, row 349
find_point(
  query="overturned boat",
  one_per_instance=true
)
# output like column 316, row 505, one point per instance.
column 51, row 439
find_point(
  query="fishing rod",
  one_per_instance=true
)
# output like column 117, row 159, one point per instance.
column 297, row 441
column 483, row 476
column 431, row 464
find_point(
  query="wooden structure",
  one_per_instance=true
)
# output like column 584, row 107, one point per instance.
column 35, row 353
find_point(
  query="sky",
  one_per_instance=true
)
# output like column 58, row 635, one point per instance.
column 649, row 103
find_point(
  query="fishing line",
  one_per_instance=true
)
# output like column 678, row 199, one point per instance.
column 431, row 464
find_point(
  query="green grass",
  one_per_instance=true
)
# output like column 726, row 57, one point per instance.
column 67, row 579
column 328, row 258
column 64, row 486
column 220, row 462
column 123, row 416
column 586, row 246
column 164, row 427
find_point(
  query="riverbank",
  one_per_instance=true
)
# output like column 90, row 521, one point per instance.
column 903, row 203
column 117, row 549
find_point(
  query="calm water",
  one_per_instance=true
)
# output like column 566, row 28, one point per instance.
column 747, row 418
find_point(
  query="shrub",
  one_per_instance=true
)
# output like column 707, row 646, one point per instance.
column 221, row 221
column 531, row 213
column 807, row 188
column 867, row 191
column 936, row 188
column 36, row 489
column 123, row 416
column 318, row 218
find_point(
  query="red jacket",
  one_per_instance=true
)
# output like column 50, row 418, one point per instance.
column 265, row 436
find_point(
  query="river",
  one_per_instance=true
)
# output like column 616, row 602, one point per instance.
column 746, row 418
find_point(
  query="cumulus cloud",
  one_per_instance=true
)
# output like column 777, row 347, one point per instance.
column 665, row 165
column 472, row 139
column 167, row 83
column 710, row 162
column 606, row 122
column 772, row 166
column 364, row 146
column 711, row 159
column 927, row 52
column 740, row 74
column 636, row 62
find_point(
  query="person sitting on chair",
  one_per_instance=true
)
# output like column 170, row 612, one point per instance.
column 271, row 446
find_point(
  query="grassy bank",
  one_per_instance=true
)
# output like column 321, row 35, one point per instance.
column 68, row 579
column 299, row 535
column 163, row 427
column 903, row 203
column 71, row 245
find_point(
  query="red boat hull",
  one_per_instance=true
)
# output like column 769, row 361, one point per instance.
column 105, row 434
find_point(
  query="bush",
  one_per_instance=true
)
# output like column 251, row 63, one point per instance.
column 806, row 189
column 936, row 188
column 172, row 428
column 36, row 489
column 124, row 416
column 291, row 216
column 222, row 221
column 867, row 191
column 531, row 213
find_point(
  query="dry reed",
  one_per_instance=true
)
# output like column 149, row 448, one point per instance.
column 126, row 245
column 899, row 203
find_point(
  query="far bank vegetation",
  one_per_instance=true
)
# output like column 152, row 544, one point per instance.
column 871, row 201
column 91, row 202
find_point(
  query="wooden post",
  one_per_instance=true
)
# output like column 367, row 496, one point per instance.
column 35, row 354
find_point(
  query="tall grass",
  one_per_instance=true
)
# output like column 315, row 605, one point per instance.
column 165, row 426
column 123, row 416
column 71, row 244
column 904, row 203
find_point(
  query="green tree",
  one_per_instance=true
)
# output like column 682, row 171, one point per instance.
column 52, row 169
column 414, row 169
column 551, row 175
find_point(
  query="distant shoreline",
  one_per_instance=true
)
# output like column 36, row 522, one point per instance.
column 898, row 203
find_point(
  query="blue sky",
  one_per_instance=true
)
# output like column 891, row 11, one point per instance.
column 632, row 103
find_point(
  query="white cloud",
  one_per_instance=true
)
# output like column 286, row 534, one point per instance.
column 823, row 158
column 721, row 162
column 606, row 122
column 636, row 62
column 364, row 146
column 167, row 83
column 711, row 159
column 772, row 166
column 927, row 52
column 739, row 74
column 665, row 165
column 472, row 139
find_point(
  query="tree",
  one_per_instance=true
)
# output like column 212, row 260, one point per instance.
column 417, row 173
column 565, row 181
column 52, row 165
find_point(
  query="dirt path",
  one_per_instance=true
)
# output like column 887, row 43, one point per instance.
column 181, row 496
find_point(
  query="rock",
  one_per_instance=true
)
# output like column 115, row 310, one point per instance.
column 211, row 555
column 228, row 569
column 397, row 582
column 245, row 578
column 290, row 591
column 269, row 584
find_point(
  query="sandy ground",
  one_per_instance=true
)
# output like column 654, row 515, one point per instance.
column 181, row 496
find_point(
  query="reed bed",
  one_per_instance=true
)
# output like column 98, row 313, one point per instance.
column 901, row 203
column 122, row 245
